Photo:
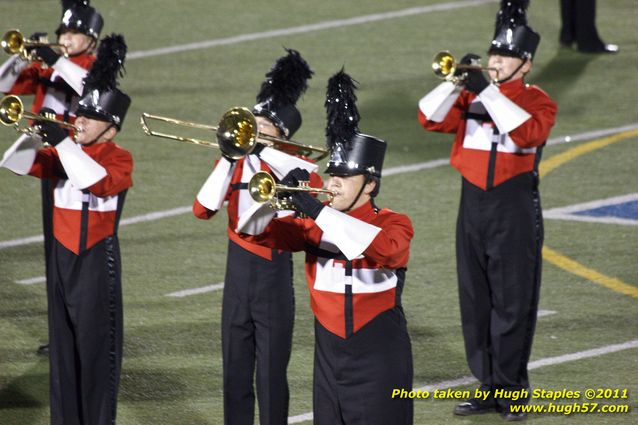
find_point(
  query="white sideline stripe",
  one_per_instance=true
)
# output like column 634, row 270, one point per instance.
column 194, row 291
column 126, row 221
column 389, row 172
column 592, row 134
column 156, row 215
column 22, row 241
column 218, row 286
column 568, row 213
column 548, row 361
column 32, row 281
column 416, row 167
column 339, row 23
column 587, row 219
column 615, row 200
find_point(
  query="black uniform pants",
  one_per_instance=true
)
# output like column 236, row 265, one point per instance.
column 85, row 334
column 258, row 313
column 578, row 19
column 354, row 377
column 498, row 248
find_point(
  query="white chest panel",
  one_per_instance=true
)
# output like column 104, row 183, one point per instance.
column 479, row 134
column 67, row 196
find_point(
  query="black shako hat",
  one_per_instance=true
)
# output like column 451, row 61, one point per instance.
column 102, row 100
column 79, row 16
column 512, row 36
column 351, row 152
column 284, row 84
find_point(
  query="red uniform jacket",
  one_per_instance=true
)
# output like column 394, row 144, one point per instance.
column 517, row 151
column 101, row 201
column 233, row 198
column 34, row 79
column 337, row 295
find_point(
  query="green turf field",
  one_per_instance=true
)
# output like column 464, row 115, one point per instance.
column 172, row 357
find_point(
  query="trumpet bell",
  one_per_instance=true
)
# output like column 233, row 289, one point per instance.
column 237, row 132
column 443, row 64
column 262, row 187
column 12, row 42
column 11, row 110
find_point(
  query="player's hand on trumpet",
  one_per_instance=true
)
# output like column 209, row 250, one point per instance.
column 47, row 54
column 303, row 201
column 474, row 81
column 51, row 132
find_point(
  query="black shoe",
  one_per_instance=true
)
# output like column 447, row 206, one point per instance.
column 513, row 417
column 475, row 406
column 600, row 48
column 43, row 350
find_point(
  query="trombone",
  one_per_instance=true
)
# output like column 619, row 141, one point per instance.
column 237, row 134
column 263, row 188
column 12, row 111
column 444, row 66
column 13, row 42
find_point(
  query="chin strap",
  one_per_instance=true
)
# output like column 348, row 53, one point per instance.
column 365, row 182
column 88, row 49
column 99, row 136
column 505, row 80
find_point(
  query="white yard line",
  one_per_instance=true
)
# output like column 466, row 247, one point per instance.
column 548, row 361
column 569, row 212
column 32, row 281
column 592, row 134
column 388, row 172
column 195, row 291
column 587, row 219
column 156, row 215
column 302, row 29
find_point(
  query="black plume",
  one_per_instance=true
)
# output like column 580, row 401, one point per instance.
column 67, row 4
column 108, row 65
column 287, row 79
column 341, row 108
column 512, row 14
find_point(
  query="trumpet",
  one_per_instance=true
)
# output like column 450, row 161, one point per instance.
column 445, row 66
column 13, row 42
column 263, row 188
column 237, row 135
column 12, row 111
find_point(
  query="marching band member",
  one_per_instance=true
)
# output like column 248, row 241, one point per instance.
column 356, row 258
column 90, row 178
column 258, row 307
column 500, row 131
column 56, row 82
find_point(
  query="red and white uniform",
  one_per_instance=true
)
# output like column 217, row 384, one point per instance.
column 100, row 199
column 57, row 87
column 516, row 142
column 375, row 244
column 87, row 182
column 234, row 180
column 355, row 271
